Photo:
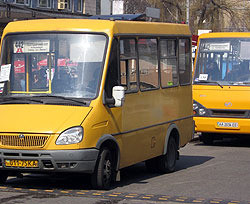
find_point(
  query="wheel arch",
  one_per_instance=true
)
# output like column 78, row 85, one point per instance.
column 174, row 132
column 111, row 143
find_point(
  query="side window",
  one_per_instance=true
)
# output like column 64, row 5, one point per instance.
column 44, row 3
column 128, row 58
column 184, row 61
column 168, row 62
column 112, row 75
column 148, row 64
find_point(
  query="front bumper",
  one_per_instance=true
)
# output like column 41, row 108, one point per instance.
column 79, row 161
column 210, row 125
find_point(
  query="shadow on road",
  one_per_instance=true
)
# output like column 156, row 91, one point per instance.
column 139, row 174
column 186, row 161
column 241, row 141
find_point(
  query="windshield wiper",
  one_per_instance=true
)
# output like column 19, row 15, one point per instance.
column 209, row 82
column 11, row 99
column 62, row 97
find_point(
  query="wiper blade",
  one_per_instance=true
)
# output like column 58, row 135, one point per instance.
column 61, row 97
column 8, row 99
column 209, row 82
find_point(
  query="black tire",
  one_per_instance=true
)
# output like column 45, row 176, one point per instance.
column 166, row 163
column 207, row 138
column 104, row 170
column 3, row 177
column 151, row 165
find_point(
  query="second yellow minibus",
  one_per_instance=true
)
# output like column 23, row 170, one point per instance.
column 221, row 89
column 93, row 96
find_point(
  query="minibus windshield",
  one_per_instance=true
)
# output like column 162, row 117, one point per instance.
column 54, row 64
column 223, row 61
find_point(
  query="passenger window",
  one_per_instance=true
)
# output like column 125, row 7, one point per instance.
column 184, row 61
column 148, row 64
column 168, row 63
column 128, row 64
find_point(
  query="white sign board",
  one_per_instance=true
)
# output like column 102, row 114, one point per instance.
column 5, row 73
column 204, row 31
column 153, row 12
column 203, row 77
column 244, row 50
column 217, row 47
column 31, row 46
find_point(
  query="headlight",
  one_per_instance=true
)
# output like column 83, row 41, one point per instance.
column 200, row 110
column 195, row 106
column 70, row 136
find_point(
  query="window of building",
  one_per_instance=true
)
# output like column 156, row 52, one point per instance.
column 148, row 64
column 184, row 61
column 64, row 4
column 67, row 4
column 79, row 5
column 44, row 3
column 98, row 7
column 24, row 2
column 168, row 62
column 128, row 64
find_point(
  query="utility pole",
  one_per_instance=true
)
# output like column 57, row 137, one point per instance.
column 111, row 7
column 187, row 12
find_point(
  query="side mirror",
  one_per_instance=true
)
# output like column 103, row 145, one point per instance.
column 118, row 94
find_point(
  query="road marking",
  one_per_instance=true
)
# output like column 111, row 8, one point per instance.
column 3, row 187
column 112, row 195
column 123, row 195
column 179, row 200
column 81, row 193
column 96, row 194
column 51, row 191
column 64, row 191
column 33, row 189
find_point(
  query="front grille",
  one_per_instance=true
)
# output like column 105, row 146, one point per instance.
column 24, row 141
column 229, row 113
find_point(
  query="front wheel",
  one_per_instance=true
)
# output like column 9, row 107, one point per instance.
column 166, row 163
column 207, row 138
column 104, row 171
column 3, row 177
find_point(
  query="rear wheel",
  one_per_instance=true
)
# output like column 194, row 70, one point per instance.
column 3, row 177
column 207, row 138
column 166, row 163
column 104, row 171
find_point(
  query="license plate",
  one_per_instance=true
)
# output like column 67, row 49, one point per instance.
column 21, row 163
column 227, row 125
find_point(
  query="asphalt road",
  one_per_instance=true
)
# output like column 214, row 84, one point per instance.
column 217, row 174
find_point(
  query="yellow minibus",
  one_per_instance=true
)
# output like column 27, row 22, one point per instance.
column 221, row 90
column 93, row 96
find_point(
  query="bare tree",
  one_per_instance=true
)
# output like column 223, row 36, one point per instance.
column 216, row 15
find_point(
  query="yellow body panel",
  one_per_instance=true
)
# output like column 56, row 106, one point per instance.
column 139, row 126
column 53, row 119
column 214, row 97
column 91, row 25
